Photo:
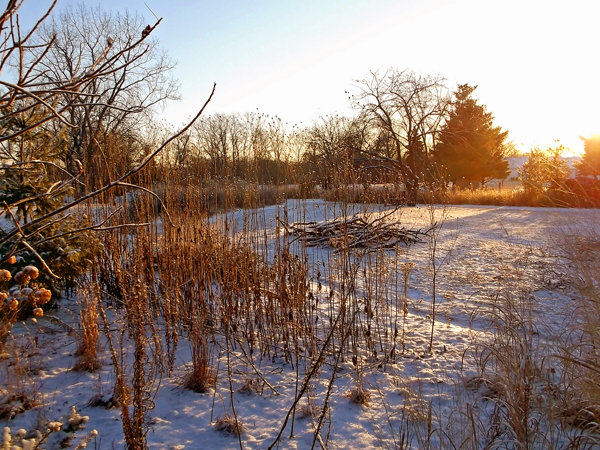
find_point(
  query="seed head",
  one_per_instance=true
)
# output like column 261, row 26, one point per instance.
column 32, row 271
column 42, row 296
column 4, row 275
column 54, row 426
column 22, row 278
column 12, row 260
column 407, row 267
column 38, row 312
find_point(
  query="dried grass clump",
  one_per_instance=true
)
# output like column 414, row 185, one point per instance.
column 415, row 406
column 229, row 425
column 580, row 353
column 583, row 415
column 512, row 359
column 201, row 376
column 105, row 401
column 386, row 194
column 89, row 337
column 309, row 410
column 12, row 405
column 252, row 385
column 505, row 197
column 488, row 388
column 19, row 392
column 359, row 396
column 98, row 400
column 199, row 380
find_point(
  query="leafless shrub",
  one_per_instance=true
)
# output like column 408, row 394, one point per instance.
column 201, row 377
column 511, row 373
column 359, row 395
column 251, row 385
column 229, row 425
column 89, row 337
column 580, row 355
column 309, row 410
column 19, row 392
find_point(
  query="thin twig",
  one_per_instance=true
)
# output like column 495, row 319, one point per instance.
column 115, row 183
column 26, row 244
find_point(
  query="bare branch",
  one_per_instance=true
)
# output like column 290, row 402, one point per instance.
column 148, row 191
column 26, row 244
column 46, row 163
column 113, row 184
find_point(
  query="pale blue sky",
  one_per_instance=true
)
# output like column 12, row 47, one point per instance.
column 536, row 62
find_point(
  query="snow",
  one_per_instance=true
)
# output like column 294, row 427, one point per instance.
column 482, row 253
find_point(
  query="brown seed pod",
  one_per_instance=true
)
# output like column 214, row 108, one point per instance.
column 32, row 271
column 12, row 260
column 38, row 312
column 4, row 275
column 22, row 278
column 42, row 296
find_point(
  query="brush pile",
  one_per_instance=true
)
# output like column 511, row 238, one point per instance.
column 357, row 232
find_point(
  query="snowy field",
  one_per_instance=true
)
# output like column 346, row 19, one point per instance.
column 473, row 262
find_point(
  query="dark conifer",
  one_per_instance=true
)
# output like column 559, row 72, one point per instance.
column 471, row 149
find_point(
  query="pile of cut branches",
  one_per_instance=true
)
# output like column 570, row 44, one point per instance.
column 354, row 232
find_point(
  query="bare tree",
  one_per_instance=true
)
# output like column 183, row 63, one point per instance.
column 331, row 144
column 277, row 146
column 40, row 112
column 115, row 104
column 183, row 150
column 257, row 146
column 410, row 110
column 213, row 137
column 251, row 147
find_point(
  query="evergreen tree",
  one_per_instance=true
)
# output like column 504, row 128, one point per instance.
column 470, row 148
column 544, row 169
column 590, row 162
column 64, row 247
column 28, row 190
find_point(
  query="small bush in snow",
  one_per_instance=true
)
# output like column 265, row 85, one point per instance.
column 228, row 424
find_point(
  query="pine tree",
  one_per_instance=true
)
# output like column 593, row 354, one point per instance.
column 67, row 252
column 470, row 148
column 590, row 162
column 544, row 169
column 28, row 190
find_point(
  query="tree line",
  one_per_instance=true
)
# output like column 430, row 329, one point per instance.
column 84, row 97
column 409, row 129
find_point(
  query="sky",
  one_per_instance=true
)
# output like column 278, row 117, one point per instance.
column 535, row 62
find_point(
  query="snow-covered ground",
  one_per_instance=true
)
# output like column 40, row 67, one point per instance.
column 483, row 256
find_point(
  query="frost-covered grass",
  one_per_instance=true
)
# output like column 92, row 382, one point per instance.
column 297, row 346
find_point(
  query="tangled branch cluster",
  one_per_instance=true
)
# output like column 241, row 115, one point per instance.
column 356, row 232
